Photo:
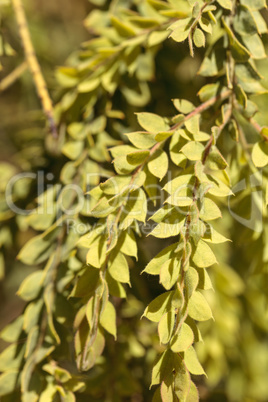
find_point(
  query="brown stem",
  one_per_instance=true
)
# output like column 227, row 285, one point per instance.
column 33, row 64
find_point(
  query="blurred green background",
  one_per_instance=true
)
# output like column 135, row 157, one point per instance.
column 57, row 30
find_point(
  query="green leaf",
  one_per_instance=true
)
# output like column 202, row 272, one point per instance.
column 102, row 208
column 163, row 135
column 31, row 341
column 182, row 382
column 11, row 357
column 48, row 394
column 88, row 85
column 154, row 266
column 206, row 24
column 157, row 395
column 35, row 250
column 180, row 29
column 118, row 267
column 239, row 52
column 122, row 166
column 192, row 362
column 169, row 272
column 248, row 77
column 192, row 124
column 97, row 253
column 171, row 227
column 31, row 286
column 162, row 367
column 156, row 37
column 227, row 4
column 209, row 210
column 191, row 281
column 204, row 279
column 135, row 208
column 181, row 198
column 166, row 326
column 254, row 4
column 108, row 319
column 208, row 91
column 183, row 339
column 193, row 150
column 115, row 185
column 255, row 46
column 199, row 38
column 60, row 374
column 183, row 106
column 86, row 282
column 203, row 256
column 198, row 307
column 216, row 184
column 260, row 154
column 124, row 29
column 213, row 64
column 8, row 381
column 121, row 150
column 138, row 157
column 32, row 314
column 260, row 22
column 152, row 122
column 72, row 149
column 215, row 160
column 158, row 164
column 180, row 182
column 167, row 393
column 13, row 330
column 142, row 139
column 176, row 143
column 159, row 306
column 193, row 395
column 128, row 244
column 244, row 23
column 115, row 288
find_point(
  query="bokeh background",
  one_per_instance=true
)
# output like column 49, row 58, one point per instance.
column 238, row 344
column 57, row 30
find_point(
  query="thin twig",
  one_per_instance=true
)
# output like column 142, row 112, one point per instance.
column 34, row 66
column 13, row 76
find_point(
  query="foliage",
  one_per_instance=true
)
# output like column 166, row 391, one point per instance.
column 133, row 163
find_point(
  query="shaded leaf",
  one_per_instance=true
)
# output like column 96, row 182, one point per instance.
column 183, row 339
column 192, row 362
column 108, row 319
column 198, row 307
column 160, row 305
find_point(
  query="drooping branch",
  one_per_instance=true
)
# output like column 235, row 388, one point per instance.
column 33, row 65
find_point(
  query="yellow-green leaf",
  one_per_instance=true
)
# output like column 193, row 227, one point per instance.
column 31, row 286
column 193, row 150
column 198, row 307
column 158, row 164
column 260, row 154
column 183, row 339
column 152, row 122
column 108, row 319
column 203, row 256
column 192, row 362
column 166, row 326
column 159, row 306
column 209, row 210
column 118, row 267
